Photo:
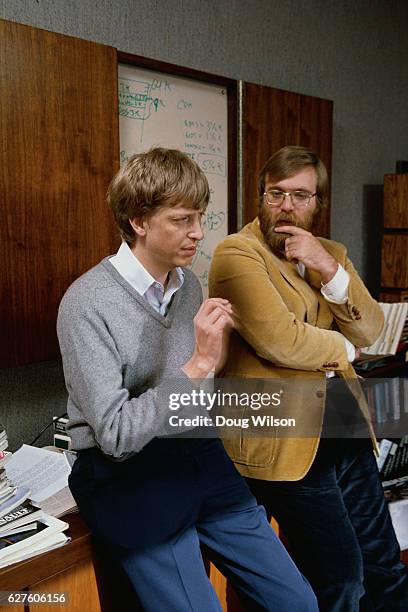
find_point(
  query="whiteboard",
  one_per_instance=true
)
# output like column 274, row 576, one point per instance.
column 157, row 109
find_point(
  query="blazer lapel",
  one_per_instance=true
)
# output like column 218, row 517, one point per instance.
column 291, row 274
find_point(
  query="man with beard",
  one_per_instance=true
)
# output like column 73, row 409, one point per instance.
column 303, row 310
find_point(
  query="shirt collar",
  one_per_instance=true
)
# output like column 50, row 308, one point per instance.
column 128, row 266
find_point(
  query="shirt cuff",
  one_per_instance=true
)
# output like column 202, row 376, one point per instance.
column 351, row 350
column 336, row 290
column 207, row 384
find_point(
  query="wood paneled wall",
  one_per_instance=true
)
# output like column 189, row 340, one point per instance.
column 394, row 250
column 394, row 266
column 396, row 201
column 274, row 118
column 59, row 127
column 59, row 131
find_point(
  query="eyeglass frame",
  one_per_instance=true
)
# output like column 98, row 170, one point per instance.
column 289, row 194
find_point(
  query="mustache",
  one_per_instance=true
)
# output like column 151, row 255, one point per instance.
column 287, row 217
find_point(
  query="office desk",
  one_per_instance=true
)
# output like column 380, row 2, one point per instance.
column 77, row 570
column 68, row 569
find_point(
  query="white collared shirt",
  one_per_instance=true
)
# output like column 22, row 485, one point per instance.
column 128, row 266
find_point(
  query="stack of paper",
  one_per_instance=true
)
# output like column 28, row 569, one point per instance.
column 33, row 485
column 17, row 513
column 395, row 315
column 3, row 438
column 46, row 473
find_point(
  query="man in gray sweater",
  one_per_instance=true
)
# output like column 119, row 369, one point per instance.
column 131, row 331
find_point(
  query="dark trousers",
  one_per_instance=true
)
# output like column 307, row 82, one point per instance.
column 339, row 529
column 154, row 510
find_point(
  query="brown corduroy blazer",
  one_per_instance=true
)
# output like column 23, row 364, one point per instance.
column 288, row 331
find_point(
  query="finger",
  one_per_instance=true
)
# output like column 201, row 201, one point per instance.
column 219, row 312
column 235, row 314
column 291, row 241
column 227, row 309
column 210, row 304
column 223, row 322
column 212, row 317
column 291, row 229
column 294, row 249
column 292, row 257
column 216, row 300
column 291, row 253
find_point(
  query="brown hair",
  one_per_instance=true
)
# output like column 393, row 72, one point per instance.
column 287, row 162
column 148, row 181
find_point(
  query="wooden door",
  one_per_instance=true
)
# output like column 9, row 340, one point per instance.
column 273, row 118
column 59, row 133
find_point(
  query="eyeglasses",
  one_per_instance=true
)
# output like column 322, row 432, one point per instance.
column 299, row 198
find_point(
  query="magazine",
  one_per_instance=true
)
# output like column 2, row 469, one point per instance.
column 29, row 542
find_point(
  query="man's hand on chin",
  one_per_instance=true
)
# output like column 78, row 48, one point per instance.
column 303, row 246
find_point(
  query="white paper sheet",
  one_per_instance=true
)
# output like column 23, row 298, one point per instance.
column 43, row 471
column 399, row 516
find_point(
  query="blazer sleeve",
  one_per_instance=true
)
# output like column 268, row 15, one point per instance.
column 360, row 319
column 239, row 274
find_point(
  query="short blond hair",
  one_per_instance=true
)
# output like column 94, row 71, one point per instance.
column 152, row 180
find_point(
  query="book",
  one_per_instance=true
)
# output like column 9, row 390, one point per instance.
column 379, row 402
column 51, row 542
column 25, row 513
column 4, row 485
column 389, row 462
column 404, row 394
column 12, row 539
column 17, row 498
column 6, row 492
column 385, row 446
column 27, row 527
column 395, row 398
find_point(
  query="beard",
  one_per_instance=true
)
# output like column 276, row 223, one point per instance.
column 276, row 241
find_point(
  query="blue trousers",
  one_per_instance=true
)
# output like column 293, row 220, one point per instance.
column 339, row 529
column 154, row 510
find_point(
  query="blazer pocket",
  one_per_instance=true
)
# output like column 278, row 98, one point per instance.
column 252, row 449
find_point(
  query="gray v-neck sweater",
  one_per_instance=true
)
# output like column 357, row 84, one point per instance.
column 121, row 358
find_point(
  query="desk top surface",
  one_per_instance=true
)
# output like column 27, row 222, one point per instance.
column 27, row 573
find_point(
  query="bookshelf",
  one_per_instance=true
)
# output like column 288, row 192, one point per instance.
column 386, row 389
column 394, row 288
